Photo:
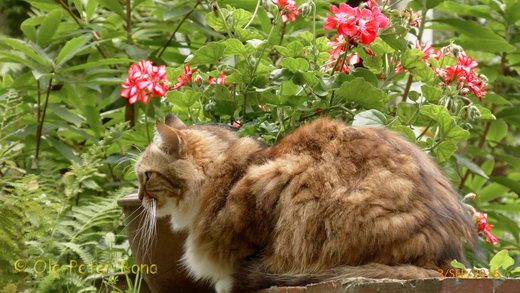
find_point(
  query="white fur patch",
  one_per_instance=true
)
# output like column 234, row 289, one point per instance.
column 201, row 267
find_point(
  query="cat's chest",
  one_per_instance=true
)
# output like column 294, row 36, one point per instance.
column 201, row 263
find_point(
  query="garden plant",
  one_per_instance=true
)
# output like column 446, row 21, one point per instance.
column 82, row 84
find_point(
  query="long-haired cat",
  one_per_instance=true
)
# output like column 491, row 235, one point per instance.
column 325, row 202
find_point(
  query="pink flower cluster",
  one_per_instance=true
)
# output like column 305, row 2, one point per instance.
column 183, row 79
column 287, row 9
column 355, row 23
column 484, row 227
column 462, row 74
column 144, row 82
column 339, row 46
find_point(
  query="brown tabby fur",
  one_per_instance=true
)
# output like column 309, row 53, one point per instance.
column 326, row 201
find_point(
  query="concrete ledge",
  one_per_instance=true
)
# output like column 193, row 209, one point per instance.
column 363, row 285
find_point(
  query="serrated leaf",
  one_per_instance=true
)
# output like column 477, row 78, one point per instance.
column 295, row 64
column 363, row 93
column 210, row 53
column 447, row 124
column 444, row 150
column 234, row 47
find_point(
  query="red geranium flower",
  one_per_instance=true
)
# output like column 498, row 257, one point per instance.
column 359, row 24
column 429, row 51
column 184, row 78
column 287, row 9
column 463, row 75
column 144, row 82
column 484, row 228
column 339, row 46
column 221, row 79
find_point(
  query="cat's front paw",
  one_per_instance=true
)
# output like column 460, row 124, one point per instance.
column 224, row 285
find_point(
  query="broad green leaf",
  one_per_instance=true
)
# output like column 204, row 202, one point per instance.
column 465, row 9
column 444, row 150
column 370, row 118
column 25, row 49
column 484, row 45
column 49, row 27
column 70, row 49
column 485, row 113
column 447, row 124
column 210, row 53
column 497, row 131
column 406, row 131
column 362, row 93
column 295, row 64
column 406, row 111
column 306, row 78
column 470, row 165
column 501, row 260
column 113, row 5
column 496, row 99
column 431, row 93
column 234, row 47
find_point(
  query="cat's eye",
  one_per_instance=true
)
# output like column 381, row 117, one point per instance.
column 148, row 175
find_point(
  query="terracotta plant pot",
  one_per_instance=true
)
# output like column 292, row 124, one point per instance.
column 165, row 253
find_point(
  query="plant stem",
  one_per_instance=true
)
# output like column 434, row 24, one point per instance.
column 419, row 38
column 38, row 114
column 129, row 21
column 146, row 123
column 42, row 120
column 284, row 25
column 254, row 14
column 177, row 29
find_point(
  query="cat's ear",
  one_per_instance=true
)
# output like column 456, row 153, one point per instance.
column 172, row 139
column 174, row 121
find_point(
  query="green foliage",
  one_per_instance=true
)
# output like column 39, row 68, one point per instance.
column 67, row 138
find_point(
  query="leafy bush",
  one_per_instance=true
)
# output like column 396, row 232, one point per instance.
column 265, row 66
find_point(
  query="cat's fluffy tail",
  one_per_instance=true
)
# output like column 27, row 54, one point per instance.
column 250, row 279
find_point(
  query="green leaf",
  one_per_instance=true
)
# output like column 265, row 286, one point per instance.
column 512, row 184
column 470, row 165
column 49, row 27
column 497, row 131
column 210, row 53
column 485, row 113
column 70, row 48
column 234, row 47
column 66, row 115
column 454, row 263
column 363, row 93
column 406, row 131
column 101, row 62
column 500, row 260
column 370, row 118
column 306, row 78
column 431, row 93
column 447, row 124
column 496, row 99
column 445, row 150
column 63, row 149
column 25, row 49
column 113, row 5
column 295, row 64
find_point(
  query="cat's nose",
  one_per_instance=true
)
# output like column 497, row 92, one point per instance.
column 140, row 194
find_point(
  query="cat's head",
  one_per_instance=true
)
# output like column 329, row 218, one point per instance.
column 173, row 168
